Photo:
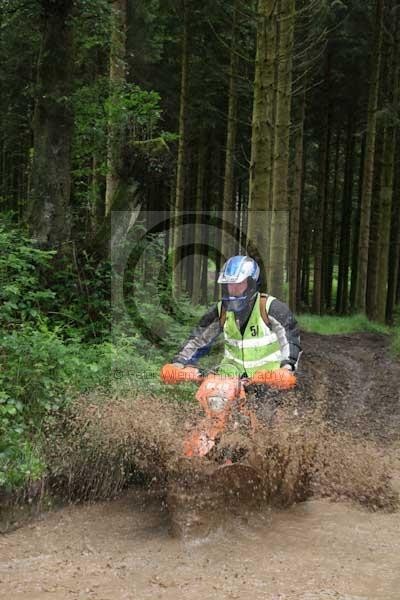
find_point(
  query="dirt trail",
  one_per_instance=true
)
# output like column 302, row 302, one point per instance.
column 316, row 550
column 358, row 380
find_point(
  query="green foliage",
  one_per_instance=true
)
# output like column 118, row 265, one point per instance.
column 52, row 311
column 19, row 48
column 22, row 298
column 91, row 26
column 396, row 340
column 81, row 305
column 39, row 374
column 19, row 461
column 132, row 113
column 41, row 365
column 90, row 132
column 396, row 333
column 147, row 34
column 135, row 110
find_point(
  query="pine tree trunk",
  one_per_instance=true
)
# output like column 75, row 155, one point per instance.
column 218, row 263
column 317, row 306
column 365, row 210
column 373, row 251
column 262, row 136
column 356, row 228
column 117, row 76
column 182, row 153
column 3, row 169
column 228, row 242
column 318, row 230
column 325, row 134
column 96, row 200
column 326, row 217
column 397, row 298
column 394, row 256
column 189, row 228
column 49, row 212
column 201, row 171
column 304, row 224
column 204, row 270
column 205, row 235
column 296, row 205
column 345, row 227
column 387, row 182
column 306, row 254
column 330, row 250
column 280, row 207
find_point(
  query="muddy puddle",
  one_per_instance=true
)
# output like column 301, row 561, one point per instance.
column 322, row 523
column 316, row 550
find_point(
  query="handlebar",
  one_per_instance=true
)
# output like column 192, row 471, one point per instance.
column 279, row 378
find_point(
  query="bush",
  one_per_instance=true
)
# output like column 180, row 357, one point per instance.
column 20, row 460
column 39, row 373
column 23, row 298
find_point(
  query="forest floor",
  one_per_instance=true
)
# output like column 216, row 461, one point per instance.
column 342, row 543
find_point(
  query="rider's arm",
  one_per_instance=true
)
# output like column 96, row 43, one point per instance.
column 200, row 339
column 285, row 327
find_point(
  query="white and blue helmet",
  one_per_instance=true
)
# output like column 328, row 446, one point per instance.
column 236, row 270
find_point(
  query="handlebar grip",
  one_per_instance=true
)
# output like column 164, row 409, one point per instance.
column 171, row 374
column 279, row 378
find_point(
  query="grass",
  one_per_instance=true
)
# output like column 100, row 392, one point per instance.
column 396, row 340
column 331, row 325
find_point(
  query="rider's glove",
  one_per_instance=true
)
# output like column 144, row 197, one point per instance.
column 176, row 372
column 190, row 368
column 278, row 378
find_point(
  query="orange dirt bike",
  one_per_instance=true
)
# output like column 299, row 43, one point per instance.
column 212, row 472
column 222, row 398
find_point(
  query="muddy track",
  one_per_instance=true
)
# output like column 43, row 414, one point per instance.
column 315, row 550
column 358, row 380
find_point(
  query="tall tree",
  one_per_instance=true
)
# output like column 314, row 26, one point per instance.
column 330, row 229
column 356, row 227
column 295, row 205
column 394, row 256
column 365, row 210
column 199, row 225
column 182, row 148
column 117, row 77
column 324, row 148
column 280, row 204
column 49, row 212
column 262, row 134
column 229, row 177
column 346, row 214
column 387, row 173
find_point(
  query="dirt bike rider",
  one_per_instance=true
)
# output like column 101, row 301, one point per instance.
column 260, row 331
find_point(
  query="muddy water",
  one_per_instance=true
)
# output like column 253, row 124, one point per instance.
column 317, row 550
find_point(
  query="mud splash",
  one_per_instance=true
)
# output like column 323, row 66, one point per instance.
column 107, row 446
column 329, row 439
